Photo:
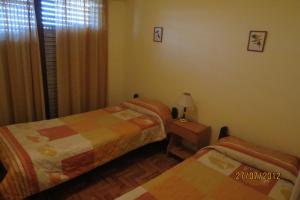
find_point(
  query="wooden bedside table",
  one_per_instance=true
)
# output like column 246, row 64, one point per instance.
column 186, row 138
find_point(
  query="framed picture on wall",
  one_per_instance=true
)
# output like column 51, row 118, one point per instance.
column 257, row 40
column 158, row 34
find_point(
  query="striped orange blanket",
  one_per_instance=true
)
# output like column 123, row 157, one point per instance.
column 40, row 155
column 230, row 170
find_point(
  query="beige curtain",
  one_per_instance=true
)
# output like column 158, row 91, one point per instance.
column 81, row 55
column 21, row 88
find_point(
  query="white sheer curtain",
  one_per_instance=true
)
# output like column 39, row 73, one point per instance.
column 21, row 89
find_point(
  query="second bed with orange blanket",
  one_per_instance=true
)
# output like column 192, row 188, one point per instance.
column 230, row 170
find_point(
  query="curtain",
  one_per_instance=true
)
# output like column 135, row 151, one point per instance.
column 81, row 55
column 21, row 87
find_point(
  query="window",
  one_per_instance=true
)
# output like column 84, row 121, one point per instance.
column 70, row 14
column 64, row 14
column 17, row 17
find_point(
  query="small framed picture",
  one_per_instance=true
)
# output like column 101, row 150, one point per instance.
column 257, row 40
column 158, row 34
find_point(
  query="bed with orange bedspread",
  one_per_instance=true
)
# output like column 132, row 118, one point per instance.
column 230, row 170
column 40, row 155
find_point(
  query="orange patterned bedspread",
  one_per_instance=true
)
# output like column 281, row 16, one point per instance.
column 213, row 174
column 40, row 155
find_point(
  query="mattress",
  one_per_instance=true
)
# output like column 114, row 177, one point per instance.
column 40, row 155
column 226, row 171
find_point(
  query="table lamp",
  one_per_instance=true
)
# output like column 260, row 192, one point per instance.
column 186, row 102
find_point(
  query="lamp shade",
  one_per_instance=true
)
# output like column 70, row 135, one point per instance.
column 186, row 101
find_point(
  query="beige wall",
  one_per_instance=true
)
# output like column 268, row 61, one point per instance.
column 117, row 21
column 204, row 52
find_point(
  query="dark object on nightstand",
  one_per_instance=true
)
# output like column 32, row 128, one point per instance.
column 3, row 172
column 186, row 138
column 174, row 113
column 136, row 96
column 223, row 132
